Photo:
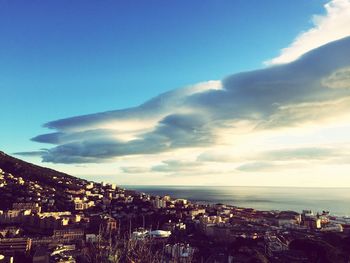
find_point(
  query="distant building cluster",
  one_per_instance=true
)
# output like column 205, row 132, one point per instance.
column 73, row 220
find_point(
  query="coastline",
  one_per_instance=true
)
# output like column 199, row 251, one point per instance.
column 334, row 200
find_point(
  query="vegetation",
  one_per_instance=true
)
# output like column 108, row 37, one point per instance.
column 318, row 251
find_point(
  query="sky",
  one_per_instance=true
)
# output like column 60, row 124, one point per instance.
column 179, row 92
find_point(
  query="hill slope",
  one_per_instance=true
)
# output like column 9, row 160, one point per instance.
column 25, row 182
column 34, row 173
column 30, row 171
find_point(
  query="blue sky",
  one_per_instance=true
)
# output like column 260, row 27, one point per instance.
column 60, row 59
column 65, row 58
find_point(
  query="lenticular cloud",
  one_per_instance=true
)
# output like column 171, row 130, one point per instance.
column 270, row 98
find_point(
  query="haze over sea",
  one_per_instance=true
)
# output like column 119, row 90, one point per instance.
column 335, row 200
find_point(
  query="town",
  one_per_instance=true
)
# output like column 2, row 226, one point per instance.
column 67, row 219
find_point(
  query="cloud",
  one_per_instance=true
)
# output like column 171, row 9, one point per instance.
column 299, row 153
column 176, row 166
column 212, row 156
column 294, row 158
column 332, row 26
column 61, row 137
column 134, row 169
column 136, row 119
column 31, row 153
column 172, row 132
column 340, row 79
column 282, row 154
column 196, row 116
column 299, row 113
column 256, row 166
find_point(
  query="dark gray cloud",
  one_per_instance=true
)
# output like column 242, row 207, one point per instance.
column 174, row 131
column 64, row 137
column 190, row 117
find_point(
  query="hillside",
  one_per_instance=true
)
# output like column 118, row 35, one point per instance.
column 22, row 181
column 30, row 171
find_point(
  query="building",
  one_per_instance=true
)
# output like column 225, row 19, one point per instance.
column 81, row 205
column 312, row 222
column 15, row 245
column 89, row 186
column 41, row 255
column 288, row 218
column 110, row 224
column 332, row 228
column 91, row 238
column 11, row 231
column 179, row 252
column 69, row 234
column 159, row 202
column 34, row 207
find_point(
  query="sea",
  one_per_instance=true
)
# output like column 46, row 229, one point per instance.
column 334, row 200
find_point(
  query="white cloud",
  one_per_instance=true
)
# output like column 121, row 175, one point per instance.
column 334, row 25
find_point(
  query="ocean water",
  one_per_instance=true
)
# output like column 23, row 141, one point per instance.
column 335, row 200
